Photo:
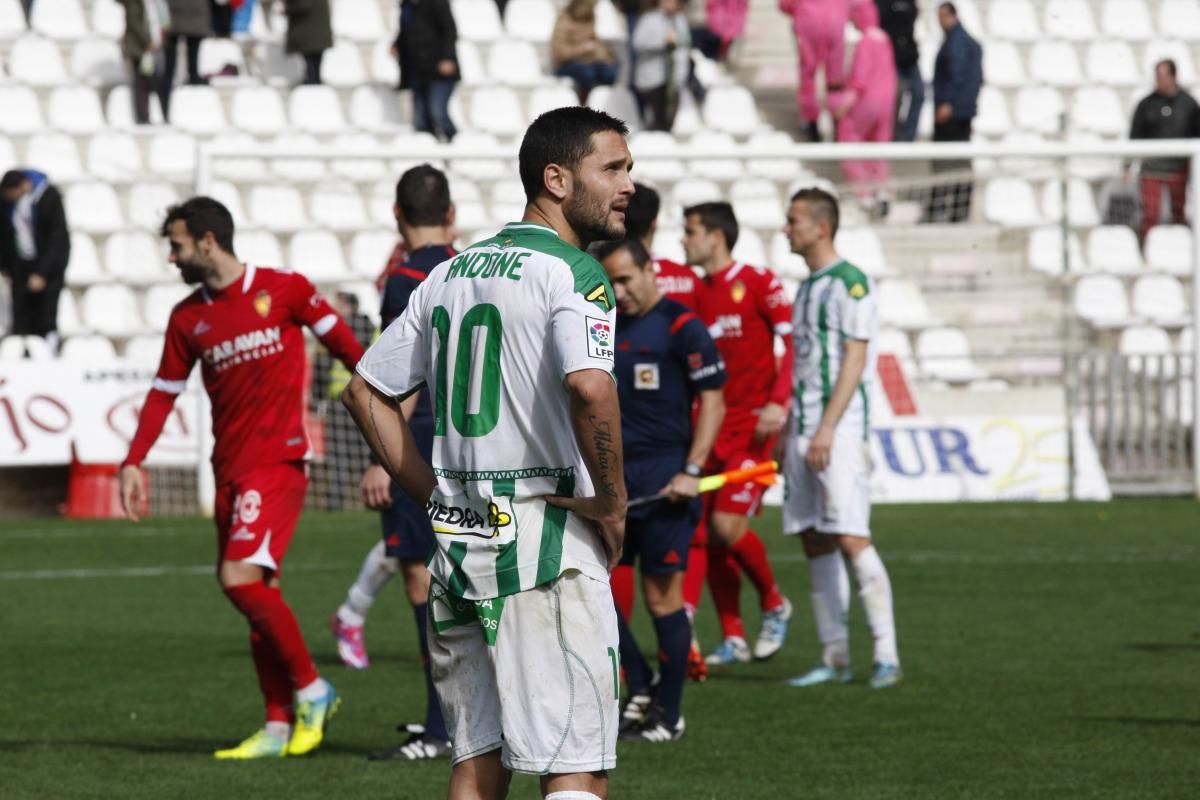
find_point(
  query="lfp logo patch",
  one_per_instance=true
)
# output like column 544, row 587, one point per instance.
column 599, row 338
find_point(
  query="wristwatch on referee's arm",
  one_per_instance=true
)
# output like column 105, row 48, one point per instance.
column 693, row 470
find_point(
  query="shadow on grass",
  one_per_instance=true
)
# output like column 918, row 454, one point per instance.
column 1164, row 647
column 1150, row 722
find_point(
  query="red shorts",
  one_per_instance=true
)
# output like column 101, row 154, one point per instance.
column 743, row 499
column 256, row 514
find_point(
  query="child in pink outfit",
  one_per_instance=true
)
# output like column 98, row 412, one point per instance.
column 865, row 111
column 819, row 26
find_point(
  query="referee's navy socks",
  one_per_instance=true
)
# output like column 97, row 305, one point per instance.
column 674, row 639
column 637, row 671
column 435, row 724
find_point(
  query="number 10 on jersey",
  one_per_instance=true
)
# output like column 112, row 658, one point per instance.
column 473, row 393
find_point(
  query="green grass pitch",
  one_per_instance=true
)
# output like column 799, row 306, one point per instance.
column 1049, row 651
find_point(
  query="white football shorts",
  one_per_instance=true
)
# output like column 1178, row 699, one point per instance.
column 534, row 674
column 837, row 499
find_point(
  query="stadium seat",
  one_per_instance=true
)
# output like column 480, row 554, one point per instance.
column 531, row 20
column 610, row 23
column 374, row 108
column 749, row 248
column 668, row 244
column 111, row 309
column 97, row 62
column 338, row 207
column 22, row 113
column 158, row 302
column 36, row 62
column 548, row 98
column 21, row 348
column 148, row 204
column 118, row 109
column 8, row 153
column 476, row 20
column 479, row 168
column 730, row 109
column 993, row 119
column 1112, row 64
column 69, row 323
column 258, row 110
column 58, row 19
column 507, row 201
column 300, row 169
column 1010, row 202
column 92, row 207
column 384, row 68
column 1169, row 249
column 1179, row 19
column 342, row 65
column 470, row 64
column 497, row 110
column 896, row 343
column 315, row 109
column 54, row 154
column 1101, row 301
column 356, row 20
column 945, row 354
column 84, row 268
column 1014, row 20
column 136, row 258
column 1113, row 249
column 144, row 349
column 1127, row 19
column 862, row 248
column 362, row 170
column 515, row 63
column 369, row 250
column 277, row 208
column 197, row 110
column 759, row 163
column 757, row 203
column 784, row 261
column 258, row 247
column 1081, row 204
column 901, row 305
column 1039, row 109
column 108, row 20
column 690, row 191
column 12, row 21
column 172, row 155
column 317, row 255
column 1160, row 299
column 651, row 149
column 114, row 156
column 233, row 167
column 228, row 195
column 1098, row 109
column 715, row 168
column 216, row 54
column 618, row 101
column 89, row 350
column 276, row 67
column 1045, row 251
column 75, row 110
column 1148, row 351
column 1003, row 65
column 1069, row 19
column 1055, row 64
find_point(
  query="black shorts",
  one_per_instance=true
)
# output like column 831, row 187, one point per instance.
column 658, row 534
column 407, row 532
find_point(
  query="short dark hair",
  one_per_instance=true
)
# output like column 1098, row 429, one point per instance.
column 637, row 251
column 202, row 215
column 1169, row 63
column 423, row 195
column 950, row 7
column 716, row 216
column 12, row 179
column 562, row 136
column 642, row 211
column 824, row 206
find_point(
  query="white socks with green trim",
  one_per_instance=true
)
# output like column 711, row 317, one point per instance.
column 875, row 589
column 377, row 570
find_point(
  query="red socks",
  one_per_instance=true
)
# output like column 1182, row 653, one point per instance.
column 693, row 578
column 621, row 581
column 279, row 651
column 751, row 556
column 273, row 679
column 725, row 583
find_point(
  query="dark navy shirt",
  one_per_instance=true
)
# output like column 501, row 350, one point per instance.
column 663, row 360
column 398, row 290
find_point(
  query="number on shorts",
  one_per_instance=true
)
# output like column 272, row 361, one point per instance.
column 612, row 655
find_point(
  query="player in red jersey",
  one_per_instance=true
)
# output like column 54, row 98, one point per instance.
column 243, row 324
column 745, row 308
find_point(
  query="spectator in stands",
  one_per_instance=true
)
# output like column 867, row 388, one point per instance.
column 898, row 18
column 576, row 53
column 866, row 109
column 661, row 42
column 1168, row 112
column 190, row 22
column 957, row 78
column 141, row 45
column 35, row 246
column 309, row 33
column 222, row 12
column 819, row 26
column 727, row 20
column 426, row 49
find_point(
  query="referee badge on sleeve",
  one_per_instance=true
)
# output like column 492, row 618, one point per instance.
column 645, row 376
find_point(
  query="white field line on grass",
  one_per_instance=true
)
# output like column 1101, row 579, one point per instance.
column 206, row 570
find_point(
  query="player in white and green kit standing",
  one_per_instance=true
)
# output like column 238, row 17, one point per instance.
column 826, row 462
column 514, row 340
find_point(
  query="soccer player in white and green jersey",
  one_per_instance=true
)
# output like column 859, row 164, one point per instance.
column 826, row 464
column 514, row 340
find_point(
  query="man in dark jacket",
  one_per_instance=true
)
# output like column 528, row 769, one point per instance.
column 141, row 45
column 309, row 33
column 897, row 18
column 1168, row 112
column 190, row 21
column 35, row 245
column 957, row 78
column 425, row 48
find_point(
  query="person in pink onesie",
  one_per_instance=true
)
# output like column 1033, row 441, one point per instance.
column 727, row 19
column 865, row 110
column 820, row 26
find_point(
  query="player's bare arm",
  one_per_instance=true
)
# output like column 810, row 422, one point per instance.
column 854, row 361
column 376, row 483
column 708, row 425
column 387, row 432
column 596, row 420
column 133, row 491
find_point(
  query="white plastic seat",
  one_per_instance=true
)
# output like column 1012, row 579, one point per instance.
column 300, row 169
column 1069, row 19
column 860, row 246
column 362, row 170
column 531, row 20
column 1160, row 299
column 237, row 168
column 342, row 65
column 470, row 63
column 136, row 258
column 652, row 151
column 158, row 302
column 92, row 207
column 118, row 109
column 1112, row 64
column 1081, row 204
column 338, row 207
column 12, row 21
column 786, row 263
column 730, row 109
column 1055, row 64
column 668, row 243
column 1127, row 19
column 993, row 118
column 172, row 154
column 385, row 70
column 114, row 156
column 36, row 62
column 1015, row 20
column 87, row 350
column 895, row 343
column 1010, row 202
column 548, row 98
column 369, row 250
column 58, row 19
column 69, row 322
column 54, row 154
column 756, row 203
column 108, row 20
column 497, row 110
column 617, row 101
column 610, row 23
column 276, row 67
column 318, row 256
column 374, row 108
column 21, row 348
column 111, row 309
column 477, row 20
column 143, row 349
column 198, row 110
column 228, row 195
column 1003, row 65
column 277, row 208
column 902, row 305
column 1101, row 300
column 1179, row 19
column 760, row 164
column 1148, row 350
column 8, row 153
column 258, row 247
column 75, row 110
column 478, row 168
column 515, row 63
column 258, row 110
column 945, row 354
column 148, row 204
column 1045, row 251
column 1177, row 51
column 691, row 191
column 507, row 201
column 357, row 20
column 84, row 269
column 1169, row 248
column 749, row 248
column 315, row 109
column 1098, row 109
column 1039, row 109
column 97, row 62
column 22, row 112
column 1113, row 249
column 718, row 169
column 216, row 54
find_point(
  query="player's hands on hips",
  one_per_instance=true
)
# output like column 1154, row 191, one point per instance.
column 610, row 521
column 376, row 486
column 771, row 419
column 133, row 491
column 681, row 488
column 819, row 449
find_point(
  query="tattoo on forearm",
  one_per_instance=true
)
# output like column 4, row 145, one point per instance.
column 384, row 456
column 606, row 456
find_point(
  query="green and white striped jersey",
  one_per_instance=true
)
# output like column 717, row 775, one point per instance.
column 834, row 304
column 492, row 333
